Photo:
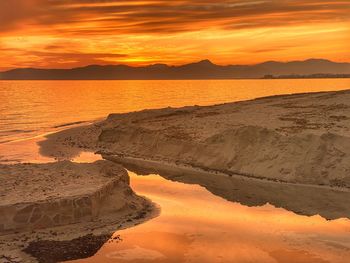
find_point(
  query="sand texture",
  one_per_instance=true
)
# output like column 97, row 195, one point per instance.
column 35, row 196
column 301, row 139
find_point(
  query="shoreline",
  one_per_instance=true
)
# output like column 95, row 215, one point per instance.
column 52, row 130
column 70, row 125
column 288, row 143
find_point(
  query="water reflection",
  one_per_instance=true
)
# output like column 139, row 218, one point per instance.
column 197, row 226
column 301, row 199
column 28, row 151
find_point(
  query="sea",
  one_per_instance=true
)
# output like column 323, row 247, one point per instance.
column 31, row 108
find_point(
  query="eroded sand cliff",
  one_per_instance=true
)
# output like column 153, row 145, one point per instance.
column 63, row 201
column 38, row 196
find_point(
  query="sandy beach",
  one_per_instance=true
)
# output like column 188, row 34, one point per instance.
column 290, row 145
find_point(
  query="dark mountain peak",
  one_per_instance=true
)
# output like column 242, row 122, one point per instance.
column 200, row 64
column 307, row 61
column 311, row 61
column 270, row 63
column 317, row 60
column 205, row 62
column 157, row 66
column 96, row 66
column 93, row 66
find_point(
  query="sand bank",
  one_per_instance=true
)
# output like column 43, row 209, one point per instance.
column 301, row 139
column 62, row 201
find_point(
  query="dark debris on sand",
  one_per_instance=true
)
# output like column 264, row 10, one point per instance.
column 47, row 251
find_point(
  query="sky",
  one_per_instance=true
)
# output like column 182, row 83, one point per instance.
column 72, row 33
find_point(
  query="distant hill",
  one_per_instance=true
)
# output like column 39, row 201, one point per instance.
column 199, row 70
column 312, row 76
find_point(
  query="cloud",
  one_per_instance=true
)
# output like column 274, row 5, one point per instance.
column 100, row 17
column 15, row 12
column 56, row 56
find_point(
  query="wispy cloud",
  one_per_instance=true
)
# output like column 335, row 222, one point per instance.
column 125, row 27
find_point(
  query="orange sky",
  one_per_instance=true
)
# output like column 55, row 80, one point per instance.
column 70, row 33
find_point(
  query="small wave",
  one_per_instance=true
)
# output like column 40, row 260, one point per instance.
column 14, row 134
column 69, row 124
column 16, row 131
column 7, row 136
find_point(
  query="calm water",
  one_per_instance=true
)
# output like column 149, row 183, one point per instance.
column 29, row 108
column 197, row 226
column 194, row 225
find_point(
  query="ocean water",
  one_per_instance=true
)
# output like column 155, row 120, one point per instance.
column 30, row 108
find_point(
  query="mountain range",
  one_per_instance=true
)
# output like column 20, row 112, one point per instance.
column 204, row 69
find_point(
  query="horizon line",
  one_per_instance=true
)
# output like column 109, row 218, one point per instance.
column 178, row 65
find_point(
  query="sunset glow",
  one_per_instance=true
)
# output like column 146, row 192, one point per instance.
column 65, row 34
